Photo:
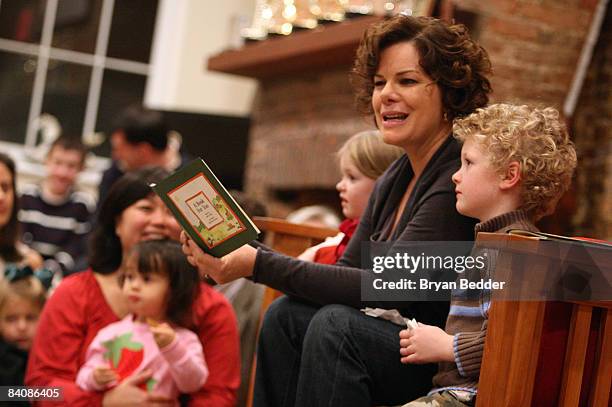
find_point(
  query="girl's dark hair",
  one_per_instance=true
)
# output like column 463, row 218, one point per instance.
column 166, row 257
column 457, row 64
column 105, row 251
column 9, row 233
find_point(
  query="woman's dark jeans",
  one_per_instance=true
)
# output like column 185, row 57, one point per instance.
column 332, row 356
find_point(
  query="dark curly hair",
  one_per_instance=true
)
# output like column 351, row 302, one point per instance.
column 448, row 55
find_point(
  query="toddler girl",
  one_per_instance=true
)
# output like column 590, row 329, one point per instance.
column 363, row 158
column 160, row 287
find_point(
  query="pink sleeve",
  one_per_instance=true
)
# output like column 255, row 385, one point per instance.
column 95, row 358
column 186, row 360
column 60, row 336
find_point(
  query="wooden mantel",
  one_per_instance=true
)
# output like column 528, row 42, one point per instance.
column 326, row 46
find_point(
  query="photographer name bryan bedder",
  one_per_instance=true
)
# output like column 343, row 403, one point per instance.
column 424, row 284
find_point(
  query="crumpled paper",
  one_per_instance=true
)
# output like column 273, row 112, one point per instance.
column 391, row 315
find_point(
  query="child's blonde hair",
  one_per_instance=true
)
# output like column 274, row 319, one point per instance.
column 536, row 138
column 369, row 153
column 28, row 288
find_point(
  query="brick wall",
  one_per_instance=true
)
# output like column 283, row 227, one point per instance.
column 592, row 130
column 534, row 45
column 298, row 122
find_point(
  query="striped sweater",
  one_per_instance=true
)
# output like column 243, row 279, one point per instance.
column 467, row 319
column 58, row 231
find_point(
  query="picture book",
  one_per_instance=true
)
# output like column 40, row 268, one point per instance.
column 205, row 210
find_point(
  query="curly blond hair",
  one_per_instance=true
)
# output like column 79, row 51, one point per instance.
column 535, row 138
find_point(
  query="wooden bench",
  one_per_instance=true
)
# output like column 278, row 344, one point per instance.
column 554, row 353
column 516, row 356
column 513, row 356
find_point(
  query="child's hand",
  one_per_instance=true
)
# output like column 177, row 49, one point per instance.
column 104, row 375
column 163, row 334
column 309, row 254
column 426, row 344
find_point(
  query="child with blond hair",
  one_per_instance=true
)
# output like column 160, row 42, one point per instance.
column 22, row 297
column 516, row 162
column 363, row 158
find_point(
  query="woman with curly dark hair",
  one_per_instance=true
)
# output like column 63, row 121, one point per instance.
column 415, row 75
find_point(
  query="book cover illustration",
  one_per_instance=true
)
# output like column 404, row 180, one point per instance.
column 205, row 210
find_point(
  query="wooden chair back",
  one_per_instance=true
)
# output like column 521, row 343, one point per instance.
column 291, row 238
column 513, row 356
column 556, row 353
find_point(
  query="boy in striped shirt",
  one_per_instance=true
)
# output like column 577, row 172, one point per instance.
column 55, row 219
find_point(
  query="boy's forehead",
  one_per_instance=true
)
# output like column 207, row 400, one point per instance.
column 63, row 152
column 473, row 142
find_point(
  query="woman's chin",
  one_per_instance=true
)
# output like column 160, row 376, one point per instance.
column 393, row 138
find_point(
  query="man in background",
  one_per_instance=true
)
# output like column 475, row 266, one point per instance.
column 139, row 139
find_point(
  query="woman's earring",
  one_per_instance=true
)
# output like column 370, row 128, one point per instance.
column 445, row 117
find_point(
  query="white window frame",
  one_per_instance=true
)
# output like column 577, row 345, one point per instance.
column 98, row 61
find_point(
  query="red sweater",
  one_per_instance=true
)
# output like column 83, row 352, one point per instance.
column 331, row 254
column 76, row 312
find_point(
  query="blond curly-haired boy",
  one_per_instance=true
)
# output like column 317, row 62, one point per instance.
column 516, row 162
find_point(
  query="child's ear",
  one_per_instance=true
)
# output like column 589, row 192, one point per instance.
column 512, row 176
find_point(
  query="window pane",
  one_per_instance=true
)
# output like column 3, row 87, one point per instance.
column 76, row 25
column 119, row 90
column 66, row 94
column 132, row 30
column 22, row 20
column 16, row 81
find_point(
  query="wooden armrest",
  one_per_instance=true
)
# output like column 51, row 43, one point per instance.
column 276, row 225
